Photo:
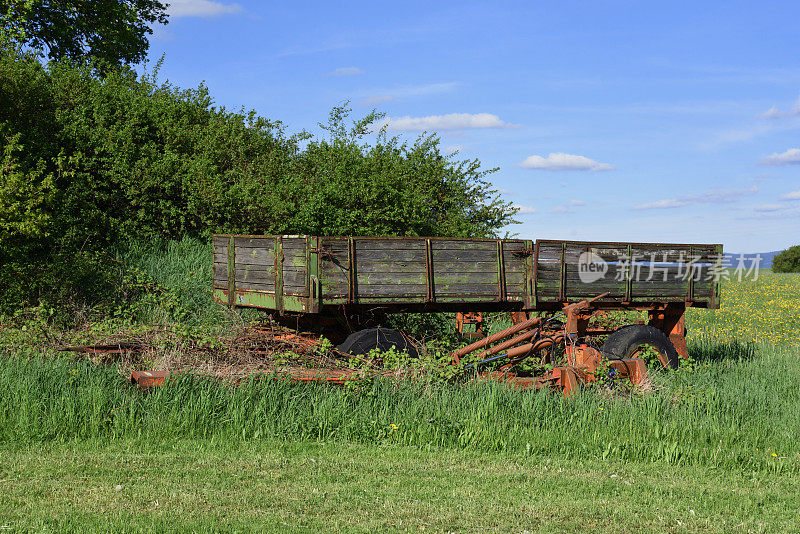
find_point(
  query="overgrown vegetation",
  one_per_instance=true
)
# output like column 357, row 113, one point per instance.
column 716, row 416
column 736, row 407
column 93, row 162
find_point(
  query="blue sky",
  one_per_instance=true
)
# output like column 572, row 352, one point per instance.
column 641, row 121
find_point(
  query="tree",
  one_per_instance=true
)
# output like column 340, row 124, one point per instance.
column 111, row 32
column 787, row 261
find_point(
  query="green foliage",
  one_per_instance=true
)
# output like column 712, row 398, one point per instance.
column 23, row 196
column 106, row 32
column 426, row 326
column 91, row 162
column 787, row 261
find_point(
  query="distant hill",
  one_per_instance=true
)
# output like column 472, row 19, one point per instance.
column 766, row 259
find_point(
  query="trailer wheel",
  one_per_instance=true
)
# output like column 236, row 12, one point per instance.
column 631, row 341
column 363, row 341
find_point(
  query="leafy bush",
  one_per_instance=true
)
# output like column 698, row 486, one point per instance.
column 90, row 161
column 787, row 261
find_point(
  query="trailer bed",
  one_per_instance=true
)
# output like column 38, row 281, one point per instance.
column 311, row 274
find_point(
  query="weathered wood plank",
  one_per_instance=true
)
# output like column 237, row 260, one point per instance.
column 255, row 256
column 256, row 286
column 421, row 289
column 390, row 267
column 335, row 245
column 295, row 260
column 365, row 256
column 392, row 289
column 390, row 278
column 294, row 243
column 334, row 271
column 221, row 253
column 464, row 266
column 515, row 280
column 465, row 289
column 303, row 267
column 389, row 244
column 443, row 256
column 261, row 275
column 442, row 245
column 295, row 278
column 466, row 278
column 254, row 242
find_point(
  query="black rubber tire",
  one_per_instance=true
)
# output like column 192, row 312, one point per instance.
column 624, row 342
column 363, row 341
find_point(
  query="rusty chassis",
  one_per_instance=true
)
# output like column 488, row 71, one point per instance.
column 530, row 339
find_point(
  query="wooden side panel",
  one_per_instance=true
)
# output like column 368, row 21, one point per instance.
column 465, row 268
column 390, row 268
column 220, row 265
column 630, row 272
column 295, row 266
column 514, row 255
column 548, row 271
column 334, row 267
column 395, row 268
column 255, row 263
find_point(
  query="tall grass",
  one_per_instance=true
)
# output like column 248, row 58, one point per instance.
column 741, row 412
column 177, row 279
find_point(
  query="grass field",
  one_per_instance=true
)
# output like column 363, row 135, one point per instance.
column 206, row 486
column 714, row 449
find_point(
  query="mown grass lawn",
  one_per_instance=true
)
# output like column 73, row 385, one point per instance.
column 207, row 486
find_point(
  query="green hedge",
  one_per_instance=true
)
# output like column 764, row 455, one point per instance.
column 90, row 161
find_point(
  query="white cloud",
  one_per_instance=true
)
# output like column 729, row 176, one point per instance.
column 201, row 8
column 567, row 208
column 377, row 96
column 768, row 208
column 775, row 113
column 714, row 196
column 522, row 210
column 793, row 195
column 663, row 204
column 453, row 121
column 559, row 161
column 346, row 71
column 452, row 149
column 790, row 157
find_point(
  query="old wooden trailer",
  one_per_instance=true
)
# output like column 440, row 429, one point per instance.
column 325, row 275
column 349, row 284
column 552, row 288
